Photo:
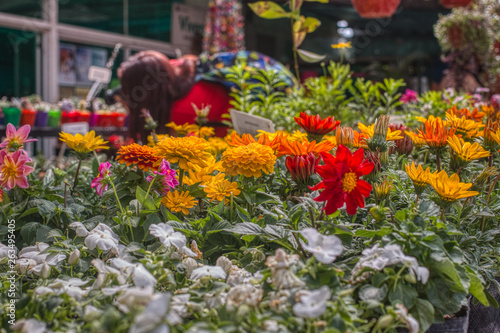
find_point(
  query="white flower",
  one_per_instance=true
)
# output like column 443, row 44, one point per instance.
column 151, row 320
column 312, row 304
column 133, row 297
column 70, row 287
column 225, row 263
column 377, row 258
column 178, row 309
column 403, row 316
column 214, row 272
column 216, row 299
column 30, row 326
column 73, row 257
column 325, row 248
column 270, row 326
column 91, row 313
column 190, row 264
column 167, row 235
column 33, row 258
column 6, row 252
column 79, row 228
column 103, row 238
column 238, row 276
column 243, row 294
column 140, row 275
column 282, row 276
column 104, row 272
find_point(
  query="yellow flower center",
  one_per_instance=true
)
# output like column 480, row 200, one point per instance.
column 349, row 182
column 9, row 169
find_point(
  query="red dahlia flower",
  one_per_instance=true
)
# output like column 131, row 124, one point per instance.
column 301, row 167
column 341, row 183
column 316, row 127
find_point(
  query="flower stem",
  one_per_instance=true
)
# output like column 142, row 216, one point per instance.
column 121, row 209
column 442, row 215
column 149, row 188
column 76, row 176
column 311, row 216
column 181, row 176
column 438, row 162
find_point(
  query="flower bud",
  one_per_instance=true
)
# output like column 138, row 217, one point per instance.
column 73, row 257
column 45, row 272
column 190, row 264
column 410, row 278
column 384, row 321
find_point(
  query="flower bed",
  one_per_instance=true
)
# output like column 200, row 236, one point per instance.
column 326, row 229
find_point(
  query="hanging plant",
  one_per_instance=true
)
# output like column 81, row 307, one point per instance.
column 455, row 3
column 376, row 8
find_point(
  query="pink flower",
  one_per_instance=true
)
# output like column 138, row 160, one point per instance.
column 409, row 96
column 101, row 182
column 165, row 178
column 15, row 139
column 13, row 169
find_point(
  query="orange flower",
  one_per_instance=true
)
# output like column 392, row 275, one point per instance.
column 469, row 129
column 316, row 127
column 247, row 139
column 417, row 141
column 475, row 115
column 435, row 134
column 359, row 140
column 249, row 160
column 142, row 156
column 305, row 147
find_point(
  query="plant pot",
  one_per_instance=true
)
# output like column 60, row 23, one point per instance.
column 455, row 3
column 485, row 318
column 42, row 118
column 54, row 118
column 28, row 117
column 376, row 8
column 69, row 117
column 118, row 119
column 104, row 120
column 12, row 116
column 84, row 116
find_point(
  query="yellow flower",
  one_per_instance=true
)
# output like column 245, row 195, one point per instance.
column 249, row 160
column 347, row 45
column 369, row 131
column 416, row 139
column 160, row 137
column 142, row 156
column 382, row 190
column 83, row 144
column 221, row 189
column 450, row 189
column 466, row 151
column 418, row 176
column 189, row 152
column 217, row 145
column 179, row 202
column 297, row 136
column 182, row 129
column 469, row 129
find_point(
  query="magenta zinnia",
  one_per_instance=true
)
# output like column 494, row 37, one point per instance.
column 341, row 183
column 101, row 182
column 16, row 139
column 13, row 169
column 165, row 178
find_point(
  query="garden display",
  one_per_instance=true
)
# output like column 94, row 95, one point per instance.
column 341, row 221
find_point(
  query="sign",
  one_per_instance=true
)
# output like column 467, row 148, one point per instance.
column 75, row 62
column 187, row 22
column 75, row 128
column 67, row 64
column 99, row 74
column 248, row 123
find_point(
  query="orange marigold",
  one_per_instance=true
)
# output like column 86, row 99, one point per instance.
column 249, row 160
column 134, row 154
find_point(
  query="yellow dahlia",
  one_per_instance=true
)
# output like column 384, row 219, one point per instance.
column 221, row 189
column 418, row 176
column 466, row 151
column 217, row 145
column 179, row 202
column 188, row 152
column 450, row 189
column 142, row 156
column 249, row 160
column 83, row 144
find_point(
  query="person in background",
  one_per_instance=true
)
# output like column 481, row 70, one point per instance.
column 169, row 88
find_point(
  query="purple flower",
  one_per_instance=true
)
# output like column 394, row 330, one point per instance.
column 101, row 182
column 165, row 178
column 409, row 96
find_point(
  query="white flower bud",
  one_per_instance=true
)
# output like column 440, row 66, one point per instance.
column 45, row 272
column 224, row 263
column 73, row 257
column 190, row 264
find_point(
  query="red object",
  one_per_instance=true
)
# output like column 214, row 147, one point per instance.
column 301, row 167
column 203, row 93
column 316, row 127
column 341, row 183
column 84, row 116
column 110, row 119
column 376, row 8
column 69, row 117
column 455, row 3
column 455, row 36
column 28, row 117
column 496, row 47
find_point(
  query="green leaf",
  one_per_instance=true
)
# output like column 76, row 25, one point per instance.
column 403, row 294
column 372, row 233
column 310, row 57
column 268, row 10
column 148, row 202
column 423, row 311
column 247, row 228
column 28, row 231
column 322, row 1
column 476, row 287
column 310, row 24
